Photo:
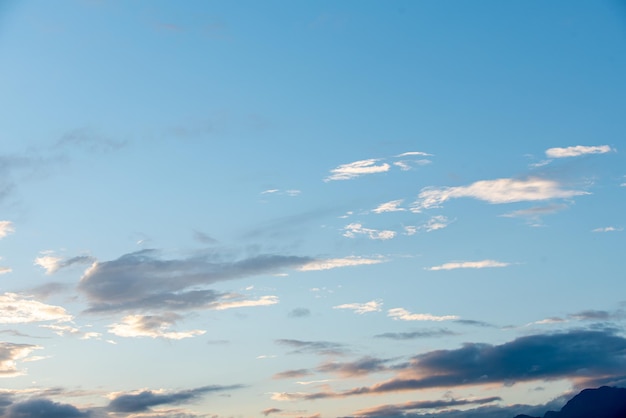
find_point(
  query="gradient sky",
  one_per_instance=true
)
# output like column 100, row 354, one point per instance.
column 310, row 209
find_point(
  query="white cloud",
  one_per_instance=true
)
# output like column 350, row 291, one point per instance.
column 412, row 153
column 332, row 263
column 5, row 270
column 404, row 315
column 410, row 230
column 608, row 229
column 497, row 191
column 354, row 229
column 62, row 330
column 361, row 308
column 10, row 354
column 468, row 265
column 392, row 206
column 153, row 326
column 356, row 169
column 14, row 310
column 269, row 191
column 6, row 228
column 435, row 223
column 577, row 150
column 246, row 303
column 49, row 263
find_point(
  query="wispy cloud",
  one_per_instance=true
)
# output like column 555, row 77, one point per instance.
column 243, row 303
column 608, row 229
column 435, row 223
column 357, row 169
column 17, row 310
column 52, row 264
column 577, row 150
column 534, row 214
column 412, row 335
column 414, row 153
column 469, row 265
column 63, row 330
column 360, row 367
column 10, row 354
column 404, row 315
column 6, row 228
column 392, row 206
column 5, row 270
column 361, row 308
column 354, row 229
column 315, row 347
column 331, row 263
column 499, row 191
column 153, row 326
column 410, row 407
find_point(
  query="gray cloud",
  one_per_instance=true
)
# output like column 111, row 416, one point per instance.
column 292, row 374
column 203, row 238
column 141, row 280
column 299, row 313
column 583, row 356
column 395, row 410
column 43, row 408
column 89, row 140
column 442, row 332
column 360, row 367
column 143, row 401
column 315, row 347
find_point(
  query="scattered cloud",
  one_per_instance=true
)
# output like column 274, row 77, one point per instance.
column 88, row 140
column 314, row 347
column 354, row 229
column 404, row 315
column 299, row 313
column 6, row 228
column 414, row 153
column 142, row 401
column 577, row 150
column 435, row 223
column 469, row 265
column 62, row 330
column 5, row 270
column 361, row 308
column 243, row 303
column 331, row 263
column 608, row 229
column 499, row 191
column 153, row 326
column 534, row 214
column 392, row 206
column 357, row 169
column 39, row 407
column 292, row 374
column 400, row 409
column 290, row 192
column 10, row 354
column 442, row 332
column 52, row 264
column 360, row 367
column 17, row 310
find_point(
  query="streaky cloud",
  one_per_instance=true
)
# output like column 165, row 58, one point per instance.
column 354, row 229
column 469, row 265
column 577, row 150
column 442, row 332
column 11, row 354
column 361, row 308
column 392, row 206
column 399, row 409
column 17, row 310
column 357, row 169
column 153, row 326
column 331, row 263
column 404, row 315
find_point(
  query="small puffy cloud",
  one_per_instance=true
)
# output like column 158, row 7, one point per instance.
column 144, row 400
column 357, row 169
column 299, row 313
column 608, row 229
column 354, row 229
column 5, row 270
column 410, row 230
column 402, row 314
column 469, row 265
column 435, row 223
column 499, row 191
column 6, row 228
column 153, row 326
column 577, row 150
column 62, row 330
column 17, row 310
column 10, row 354
column 392, row 206
column 331, row 263
column 52, row 264
column 361, row 308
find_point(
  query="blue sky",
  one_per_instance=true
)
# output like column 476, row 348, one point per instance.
column 310, row 209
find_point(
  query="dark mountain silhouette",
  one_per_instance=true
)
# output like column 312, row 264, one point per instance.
column 604, row 402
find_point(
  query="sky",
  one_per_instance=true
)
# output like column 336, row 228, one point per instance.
column 310, row 209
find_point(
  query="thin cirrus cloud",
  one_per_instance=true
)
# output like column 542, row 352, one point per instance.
column 401, row 314
column 586, row 358
column 354, row 229
column 392, row 206
column 331, row 263
column 362, row 308
column 468, row 265
column 577, row 150
column 17, row 310
column 153, row 326
column 608, row 229
column 373, row 166
column 499, row 191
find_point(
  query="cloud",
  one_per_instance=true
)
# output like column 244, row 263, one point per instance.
column 404, row 315
column 468, row 265
column 292, row 374
column 331, row 263
column 361, row 308
column 16, row 310
column 315, row 347
column 63, row 330
column 5, row 270
column 395, row 410
column 587, row 358
column 88, row 140
column 203, row 238
column 435, row 223
column 577, row 150
column 10, row 354
column 360, row 367
column 153, row 326
column 299, row 313
column 497, row 191
column 243, row 303
column 354, row 229
column 534, row 214
column 414, row 153
column 592, row 315
column 6, row 228
column 357, row 169
column 269, row 411
column 392, row 206
column 608, row 229
column 442, row 332
column 52, row 264
column 141, row 280
column 144, row 400
column 44, row 408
